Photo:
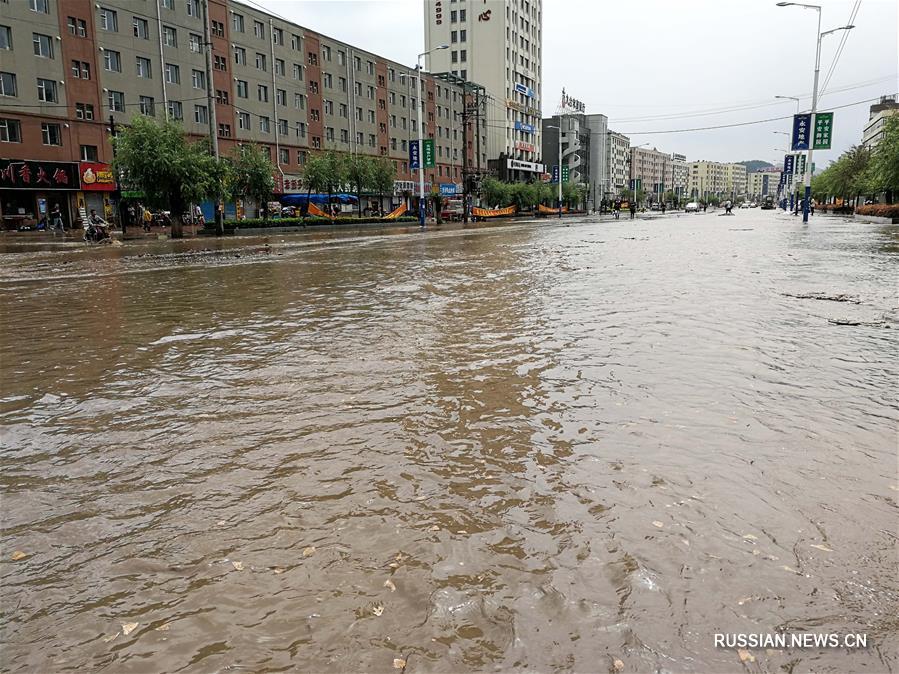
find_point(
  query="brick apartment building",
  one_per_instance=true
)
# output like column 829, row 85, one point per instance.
column 70, row 66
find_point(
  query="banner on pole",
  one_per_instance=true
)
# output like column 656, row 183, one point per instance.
column 428, row 152
column 823, row 128
column 789, row 165
column 414, row 157
column 801, row 124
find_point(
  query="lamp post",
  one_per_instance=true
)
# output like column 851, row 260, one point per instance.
column 421, row 150
column 808, row 166
column 792, row 186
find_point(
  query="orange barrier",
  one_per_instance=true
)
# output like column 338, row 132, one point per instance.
column 396, row 212
column 315, row 210
column 549, row 211
column 489, row 213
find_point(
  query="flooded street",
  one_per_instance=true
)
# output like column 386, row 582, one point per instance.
column 540, row 448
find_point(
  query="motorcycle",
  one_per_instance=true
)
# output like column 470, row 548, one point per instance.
column 96, row 232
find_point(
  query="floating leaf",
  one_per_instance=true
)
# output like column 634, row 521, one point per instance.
column 308, row 552
column 128, row 628
column 617, row 665
column 111, row 637
column 745, row 656
column 378, row 609
column 822, row 547
column 238, row 566
column 389, row 585
column 399, row 663
column 17, row 555
column 658, row 524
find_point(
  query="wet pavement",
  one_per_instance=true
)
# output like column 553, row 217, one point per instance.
column 562, row 447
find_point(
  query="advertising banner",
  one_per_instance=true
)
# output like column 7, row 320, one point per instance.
column 96, row 177
column 801, row 128
column 823, row 128
column 39, row 175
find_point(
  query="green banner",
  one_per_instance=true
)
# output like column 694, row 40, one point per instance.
column 565, row 173
column 823, row 128
column 429, row 152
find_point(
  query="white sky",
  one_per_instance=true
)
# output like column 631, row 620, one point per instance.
column 638, row 59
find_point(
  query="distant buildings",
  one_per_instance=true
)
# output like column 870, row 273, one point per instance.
column 583, row 150
column 762, row 183
column 873, row 131
column 679, row 174
column 654, row 169
column 618, row 160
column 712, row 178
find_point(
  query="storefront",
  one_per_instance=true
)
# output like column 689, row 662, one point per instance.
column 30, row 190
column 97, row 188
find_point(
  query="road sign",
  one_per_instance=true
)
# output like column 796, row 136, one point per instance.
column 801, row 129
column 823, row 128
column 448, row 189
column 413, row 155
column 564, row 174
column 429, row 152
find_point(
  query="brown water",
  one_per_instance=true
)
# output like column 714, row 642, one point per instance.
column 562, row 445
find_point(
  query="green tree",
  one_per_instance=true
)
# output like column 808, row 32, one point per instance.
column 157, row 159
column 885, row 159
column 250, row 175
column 335, row 171
column 359, row 173
column 495, row 192
column 383, row 176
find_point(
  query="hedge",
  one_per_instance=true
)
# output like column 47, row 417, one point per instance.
column 255, row 223
column 879, row 210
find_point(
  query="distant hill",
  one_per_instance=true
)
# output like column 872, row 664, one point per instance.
column 756, row 165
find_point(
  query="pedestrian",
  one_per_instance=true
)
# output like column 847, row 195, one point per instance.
column 617, row 208
column 704, row 206
column 633, row 209
column 198, row 214
column 56, row 221
column 663, row 208
column 147, row 218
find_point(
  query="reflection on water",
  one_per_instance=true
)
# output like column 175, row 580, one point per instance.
column 524, row 448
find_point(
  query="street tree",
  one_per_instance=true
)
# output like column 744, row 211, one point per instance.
column 359, row 172
column 383, row 176
column 157, row 159
column 885, row 160
column 250, row 174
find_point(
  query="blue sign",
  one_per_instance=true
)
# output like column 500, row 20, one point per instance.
column 521, row 89
column 521, row 126
column 414, row 161
column 802, row 125
column 789, row 163
column 555, row 174
column 448, row 189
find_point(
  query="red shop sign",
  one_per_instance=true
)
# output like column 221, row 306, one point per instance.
column 39, row 175
column 96, row 177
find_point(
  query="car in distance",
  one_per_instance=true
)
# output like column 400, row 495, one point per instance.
column 692, row 207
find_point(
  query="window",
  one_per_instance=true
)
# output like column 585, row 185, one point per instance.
column 6, row 37
column 344, row 110
column 371, row 93
column 169, row 36
column 462, row 15
column 43, row 45
column 265, row 124
column 81, row 70
column 360, row 138
column 225, row 130
column 168, row 4
column 243, row 89
column 454, row 16
column 262, row 93
column 358, row 114
column 329, row 107
column 147, row 106
column 219, row 62
column 172, row 73
column 344, row 136
column 316, row 143
column 240, row 56
column 297, row 71
column 295, row 42
column 299, row 101
column 371, row 116
column 109, row 20
column 50, row 134
column 218, row 28
column 370, row 67
column 283, row 127
column 454, row 37
column 279, row 67
column 341, row 57
column 46, row 91
column 329, row 133
column 198, row 78
column 277, row 36
column 357, row 63
column 237, row 23
column 112, row 60
column 141, row 28
column 393, row 143
column 313, row 58
column 462, row 35
column 201, row 114
column 176, row 110
column 463, row 54
column 243, row 121
column 328, row 81
column 454, row 56
column 42, row 6
column 281, row 97
column 193, row 7
column 301, row 129
column 84, row 111
column 10, row 131
column 143, row 67
column 313, row 87
column 341, row 83
column 195, row 41
column 357, row 87
column 116, row 101
column 371, row 140
column 259, row 29
column 221, row 97
column 77, row 26
column 260, row 61
column 314, row 115
column 284, row 156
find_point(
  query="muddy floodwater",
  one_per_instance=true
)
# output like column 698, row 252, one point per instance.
column 576, row 447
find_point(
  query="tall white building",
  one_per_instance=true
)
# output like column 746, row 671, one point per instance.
column 617, row 161
column 498, row 45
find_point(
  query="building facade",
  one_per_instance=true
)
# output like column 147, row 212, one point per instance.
column 70, row 68
column 735, row 180
column 874, row 131
column 762, row 183
column 583, row 151
column 712, row 178
column 498, row 44
column 654, row 169
column 618, row 152
column 679, row 174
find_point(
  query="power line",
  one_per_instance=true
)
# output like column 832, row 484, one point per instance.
column 843, row 39
column 727, row 126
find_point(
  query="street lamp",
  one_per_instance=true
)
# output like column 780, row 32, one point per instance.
column 791, row 98
column 421, row 149
column 808, row 166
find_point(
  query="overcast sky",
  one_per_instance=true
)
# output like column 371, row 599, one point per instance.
column 638, row 61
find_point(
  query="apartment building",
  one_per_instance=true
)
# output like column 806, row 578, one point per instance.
column 735, row 180
column 707, row 178
column 874, row 129
column 618, row 151
column 69, row 68
column 654, row 169
column 583, row 150
column 498, row 44
column 762, row 183
column 679, row 174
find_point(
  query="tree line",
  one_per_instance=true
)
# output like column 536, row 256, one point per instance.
column 528, row 195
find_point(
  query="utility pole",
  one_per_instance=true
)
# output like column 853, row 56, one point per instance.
column 117, row 194
column 210, row 104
